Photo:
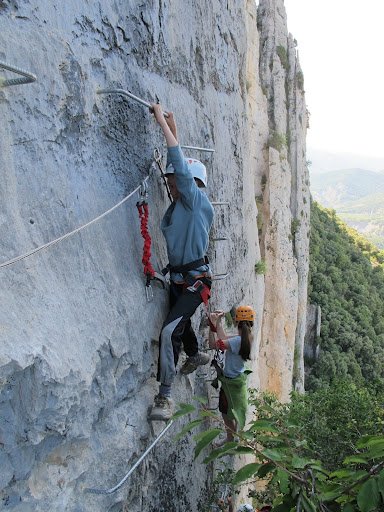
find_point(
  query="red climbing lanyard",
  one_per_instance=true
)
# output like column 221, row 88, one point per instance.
column 149, row 272
column 142, row 208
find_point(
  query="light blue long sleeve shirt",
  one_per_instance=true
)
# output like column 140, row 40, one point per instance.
column 187, row 222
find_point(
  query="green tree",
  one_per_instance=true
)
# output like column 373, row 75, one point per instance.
column 290, row 453
column 347, row 281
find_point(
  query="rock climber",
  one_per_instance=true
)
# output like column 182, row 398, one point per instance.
column 185, row 226
column 233, row 391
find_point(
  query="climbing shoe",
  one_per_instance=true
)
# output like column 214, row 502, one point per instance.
column 162, row 409
column 193, row 362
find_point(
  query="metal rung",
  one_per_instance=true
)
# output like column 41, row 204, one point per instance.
column 219, row 239
column 129, row 95
column 27, row 77
column 219, row 203
column 146, row 104
column 114, row 489
column 218, row 277
column 206, row 150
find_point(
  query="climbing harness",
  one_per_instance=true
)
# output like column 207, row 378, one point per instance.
column 67, row 235
column 27, row 77
column 200, row 285
column 149, row 272
column 159, row 162
column 184, row 269
column 205, row 294
column 203, row 289
column 114, row 489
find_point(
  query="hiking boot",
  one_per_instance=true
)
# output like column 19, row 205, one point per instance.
column 162, row 409
column 193, row 362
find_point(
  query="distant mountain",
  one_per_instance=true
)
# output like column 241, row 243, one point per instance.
column 357, row 195
column 335, row 188
column 325, row 161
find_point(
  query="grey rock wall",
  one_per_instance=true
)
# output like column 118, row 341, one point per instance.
column 77, row 360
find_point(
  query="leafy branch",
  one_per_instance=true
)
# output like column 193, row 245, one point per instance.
column 296, row 480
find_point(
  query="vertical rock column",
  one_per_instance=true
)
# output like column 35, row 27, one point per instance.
column 281, row 234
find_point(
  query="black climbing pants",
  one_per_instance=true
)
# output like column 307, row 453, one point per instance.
column 177, row 331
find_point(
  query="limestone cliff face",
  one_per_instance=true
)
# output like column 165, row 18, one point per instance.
column 284, row 228
column 77, row 360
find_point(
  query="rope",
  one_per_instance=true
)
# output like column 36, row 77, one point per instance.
column 149, row 271
column 27, row 77
column 67, row 235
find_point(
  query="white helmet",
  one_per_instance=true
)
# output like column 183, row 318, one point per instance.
column 246, row 508
column 196, row 168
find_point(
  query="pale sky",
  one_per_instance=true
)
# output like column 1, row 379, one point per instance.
column 341, row 52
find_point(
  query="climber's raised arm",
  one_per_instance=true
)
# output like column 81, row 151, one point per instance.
column 216, row 319
column 167, row 124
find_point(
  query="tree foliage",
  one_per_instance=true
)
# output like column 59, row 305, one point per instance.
column 287, row 444
column 347, row 281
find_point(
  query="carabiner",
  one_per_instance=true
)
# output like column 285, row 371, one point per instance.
column 143, row 192
column 149, row 292
column 157, row 156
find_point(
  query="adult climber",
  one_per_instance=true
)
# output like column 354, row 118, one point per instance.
column 185, row 226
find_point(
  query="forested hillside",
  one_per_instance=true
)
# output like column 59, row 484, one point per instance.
column 347, row 281
column 357, row 195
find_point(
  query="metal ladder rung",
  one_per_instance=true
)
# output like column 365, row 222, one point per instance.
column 206, row 150
column 148, row 105
column 218, row 277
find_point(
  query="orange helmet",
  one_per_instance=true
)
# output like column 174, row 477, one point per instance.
column 245, row 313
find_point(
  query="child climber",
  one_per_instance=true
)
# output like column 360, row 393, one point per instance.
column 185, row 226
column 233, row 392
